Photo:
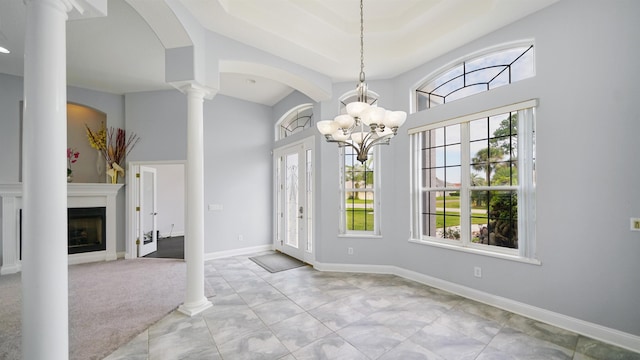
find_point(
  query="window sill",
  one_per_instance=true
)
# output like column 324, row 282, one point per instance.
column 498, row 255
column 360, row 236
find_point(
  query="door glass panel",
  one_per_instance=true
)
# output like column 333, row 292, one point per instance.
column 309, row 188
column 148, row 208
column 293, row 209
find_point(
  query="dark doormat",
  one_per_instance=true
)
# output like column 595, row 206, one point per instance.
column 277, row 262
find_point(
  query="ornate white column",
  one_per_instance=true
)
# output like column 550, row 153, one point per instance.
column 45, row 323
column 195, row 301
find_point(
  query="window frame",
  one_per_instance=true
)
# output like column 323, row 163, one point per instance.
column 525, row 187
column 346, row 98
column 342, row 225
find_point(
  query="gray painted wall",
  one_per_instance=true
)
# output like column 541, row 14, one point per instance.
column 11, row 94
column 587, row 170
column 238, row 141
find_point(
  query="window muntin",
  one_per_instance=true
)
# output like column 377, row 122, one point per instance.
column 479, row 74
column 480, row 194
column 294, row 121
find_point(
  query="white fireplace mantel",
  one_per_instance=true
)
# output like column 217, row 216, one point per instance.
column 78, row 195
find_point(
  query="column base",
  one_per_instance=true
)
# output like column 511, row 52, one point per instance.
column 10, row 269
column 193, row 309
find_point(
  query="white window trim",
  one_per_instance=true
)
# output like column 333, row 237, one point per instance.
column 526, row 188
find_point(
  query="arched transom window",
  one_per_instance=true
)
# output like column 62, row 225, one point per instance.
column 294, row 121
column 477, row 74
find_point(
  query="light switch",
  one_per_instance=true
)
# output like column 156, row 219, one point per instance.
column 215, row 207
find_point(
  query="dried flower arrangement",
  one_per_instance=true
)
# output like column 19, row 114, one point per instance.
column 115, row 145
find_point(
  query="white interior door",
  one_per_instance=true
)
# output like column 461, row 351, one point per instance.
column 147, row 215
column 294, row 193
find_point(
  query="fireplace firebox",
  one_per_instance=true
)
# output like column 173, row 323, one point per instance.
column 87, row 229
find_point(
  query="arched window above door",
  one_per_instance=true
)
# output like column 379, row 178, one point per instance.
column 294, row 121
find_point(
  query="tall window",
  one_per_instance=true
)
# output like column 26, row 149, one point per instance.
column 359, row 192
column 294, row 121
column 477, row 74
column 359, row 184
column 474, row 180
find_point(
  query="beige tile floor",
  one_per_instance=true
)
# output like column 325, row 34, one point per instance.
column 302, row 314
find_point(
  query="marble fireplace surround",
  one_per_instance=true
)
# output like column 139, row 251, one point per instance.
column 78, row 196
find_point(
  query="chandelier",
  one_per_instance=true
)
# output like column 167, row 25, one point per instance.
column 363, row 126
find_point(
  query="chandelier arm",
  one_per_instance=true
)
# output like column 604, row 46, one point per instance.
column 384, row 140
column 344, row 143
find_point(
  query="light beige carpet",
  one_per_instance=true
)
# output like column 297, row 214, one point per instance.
column 109, row 304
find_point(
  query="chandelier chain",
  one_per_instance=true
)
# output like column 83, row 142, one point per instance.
column 361, row 42
column 364, row 125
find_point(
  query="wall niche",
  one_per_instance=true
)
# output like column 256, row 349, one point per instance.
column 90, row 166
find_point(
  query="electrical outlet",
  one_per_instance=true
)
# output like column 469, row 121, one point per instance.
column 635, row 224
column 240, row 238
column 477, row 271
column 350, row 251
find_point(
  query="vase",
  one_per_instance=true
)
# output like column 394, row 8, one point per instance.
column 100, row 163
column 69, row 177
column 114, row 178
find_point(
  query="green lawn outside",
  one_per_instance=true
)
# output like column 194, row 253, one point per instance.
column 453, row 202
column 452, row 218
column 359, row 216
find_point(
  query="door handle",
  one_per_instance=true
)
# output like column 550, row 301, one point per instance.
column 153, row 213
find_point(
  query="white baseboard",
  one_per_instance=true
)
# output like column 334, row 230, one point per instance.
column 237, row 252
column 594, row 331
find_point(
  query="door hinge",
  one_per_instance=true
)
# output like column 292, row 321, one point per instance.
column 138, row 241
column 137, row 208
column 137, row 175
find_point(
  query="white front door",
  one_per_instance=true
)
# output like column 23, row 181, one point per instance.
column 293, row 166
column 147, row 224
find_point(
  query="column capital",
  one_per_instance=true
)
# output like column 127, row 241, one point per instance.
column 78, row 8
column 193, row 88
